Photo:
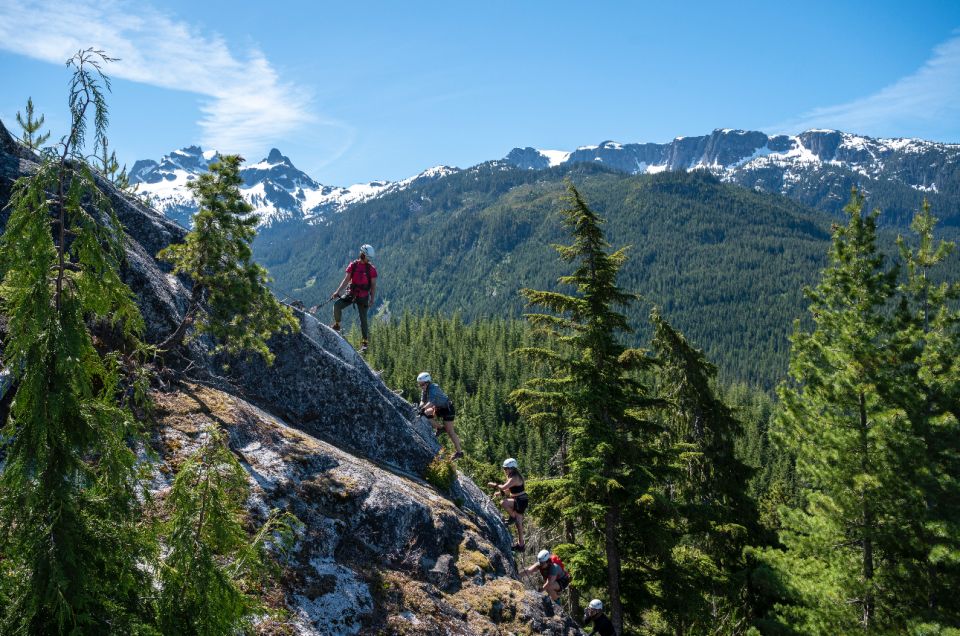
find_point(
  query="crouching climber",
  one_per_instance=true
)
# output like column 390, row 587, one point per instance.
column 515, row 499
column 438, row 409
column 602, row 625
column 555, row 575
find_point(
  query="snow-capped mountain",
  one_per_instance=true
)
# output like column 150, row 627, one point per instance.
column 787, row 164
column 276, row 189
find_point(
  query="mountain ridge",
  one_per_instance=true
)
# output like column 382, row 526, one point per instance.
column 816, row 167
column 278, row 191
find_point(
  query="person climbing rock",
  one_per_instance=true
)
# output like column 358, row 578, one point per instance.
column 438, row 409
column 602, row 625
column 515, row 500
column 555, row 575
column 361, row 281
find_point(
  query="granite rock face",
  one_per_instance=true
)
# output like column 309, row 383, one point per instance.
column 320, row 435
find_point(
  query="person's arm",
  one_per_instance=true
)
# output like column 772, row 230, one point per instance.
column 346, row 278
column 373, row 288
column 501, row 488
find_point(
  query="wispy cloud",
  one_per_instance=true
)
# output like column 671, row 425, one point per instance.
column 927, row 99
column 245, row 105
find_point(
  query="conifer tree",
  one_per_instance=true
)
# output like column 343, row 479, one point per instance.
column 69, row 538
column 110, row 168
column 839, row 563
column 213, row 565
column 927, row 386
column 705, row 581
column 229, row 299
column 611, row 464
column 31, row 126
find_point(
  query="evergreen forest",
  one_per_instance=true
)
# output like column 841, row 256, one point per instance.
column 727, row 265
column 733, row 415
column 828, row 509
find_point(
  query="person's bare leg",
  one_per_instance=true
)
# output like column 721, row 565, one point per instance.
column 453, row 436
column 519, row 519
column 552, row 590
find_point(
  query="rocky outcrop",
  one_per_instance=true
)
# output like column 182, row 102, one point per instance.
column 379, row 552
column 320, row 435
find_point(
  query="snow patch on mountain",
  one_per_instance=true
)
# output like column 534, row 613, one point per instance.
column 740, row 156
column 555, row 157
column 277, row 190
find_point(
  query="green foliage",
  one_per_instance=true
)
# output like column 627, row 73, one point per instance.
column 213, row 565
column 229, row 298
column 71, row 543
column 471, row 362
column 610, row 463
column 704, row 583
column 110, row 168
column 31, row 126
column 441, row 473
column 873, row 427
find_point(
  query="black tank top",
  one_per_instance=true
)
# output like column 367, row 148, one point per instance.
column 516, row 490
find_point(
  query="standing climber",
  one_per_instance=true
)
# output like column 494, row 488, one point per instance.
column 361, row 277
column 435, row 405
column 555, row 575
column 602, row 625
column 516, row 503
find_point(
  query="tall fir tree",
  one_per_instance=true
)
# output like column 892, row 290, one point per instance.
column 30, row 127
column 839, row 562
column 229, row 298
column 704, row 585
column 611, row 465
column 70, row 541
column 927, row 388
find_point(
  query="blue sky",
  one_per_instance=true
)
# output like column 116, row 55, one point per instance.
column 358, row 91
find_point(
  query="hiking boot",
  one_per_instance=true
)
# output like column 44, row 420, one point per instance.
column 336, row 327
column 363, row 347
column 457, row 455
column 518, row 547
column 509, row 521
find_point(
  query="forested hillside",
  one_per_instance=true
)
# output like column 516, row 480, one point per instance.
column 726, row 265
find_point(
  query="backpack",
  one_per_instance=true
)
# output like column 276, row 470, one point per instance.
column 556, row 560
column 359, row 286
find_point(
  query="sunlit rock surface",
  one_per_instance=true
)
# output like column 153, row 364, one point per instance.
column 381, row 551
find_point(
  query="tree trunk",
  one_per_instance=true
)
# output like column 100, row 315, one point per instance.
column 569, row 534
column 175, row 339
column 868, row 601
column 612, row 529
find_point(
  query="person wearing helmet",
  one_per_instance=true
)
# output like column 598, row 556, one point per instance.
column 361, row 277
column 602, row 625
column 555, row 576
column 515, row 500
column 438, row 409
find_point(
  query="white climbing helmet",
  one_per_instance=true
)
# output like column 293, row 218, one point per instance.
column 596, row 604
column 510, row 463
column 543, row 556
column 424, row 377
column 367, row 249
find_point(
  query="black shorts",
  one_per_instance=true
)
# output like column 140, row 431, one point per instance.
column 520, row 503
column 445, row 413
column 563, row 582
